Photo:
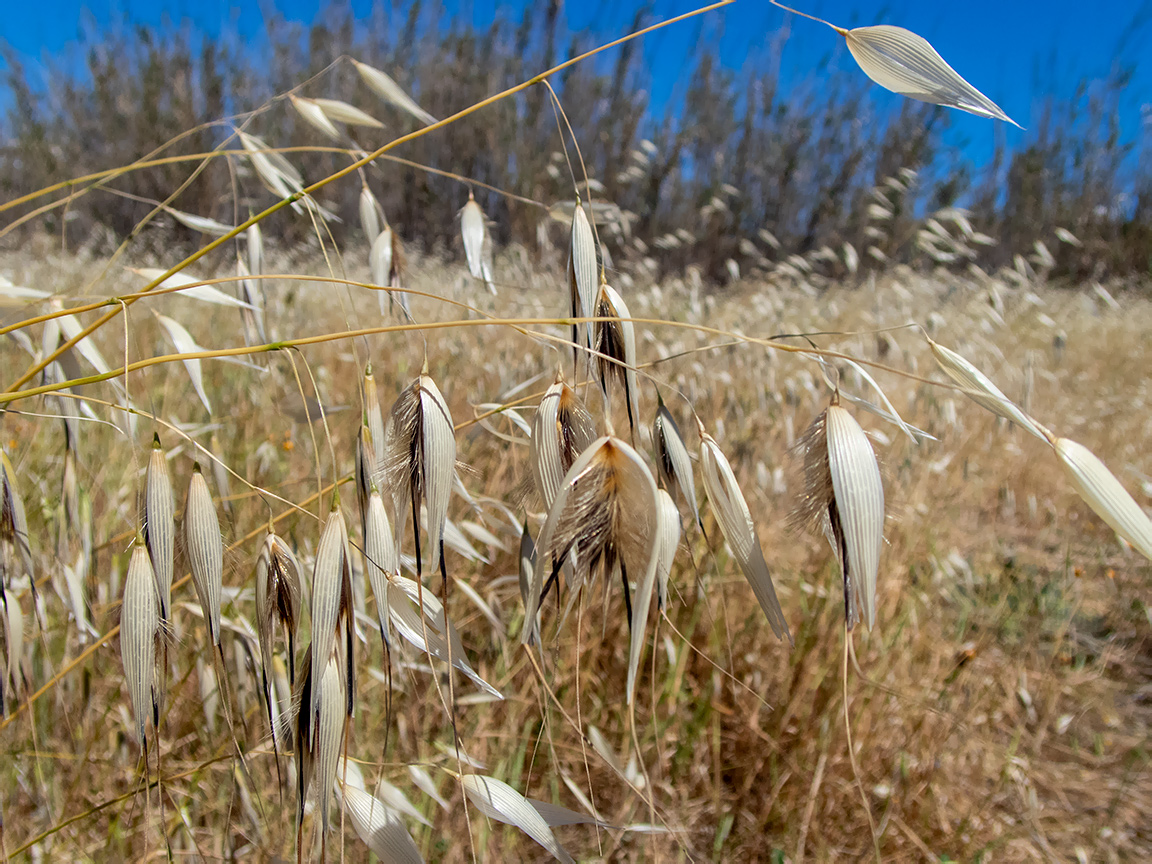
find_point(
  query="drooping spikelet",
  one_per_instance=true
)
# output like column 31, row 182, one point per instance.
column 615, row 342
column 673, row 464
column 277, row 614
column 332, row 625
column 583, row 278
column 13, row 529
column 606, row 508
column 139, row 632
column 844, row 496
column 561, row 430
column 419, row 462
column 159, row 520
column 205, row 550
column 739, row 530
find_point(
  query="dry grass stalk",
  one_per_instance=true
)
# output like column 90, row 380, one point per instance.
column 205, row 550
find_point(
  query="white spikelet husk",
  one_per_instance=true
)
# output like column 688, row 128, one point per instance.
column 617, row 340
column 314, row 116
column 329, row 734
column 342, row 112
column 186, row 285
column 13, row 521
column 905, row 63
column 406, row 610
column 253, row 295
column 859, row 500
column 205, row 550
column 139, row 627
column 371, row 215
column 739, row 530
column 1105, row 494
column 381, row 557
column 980, row 389
column 160, row 524
column 388, row 90
column 606, row 509
column 332, row 604
column 255, row 239
column 526, row 569
column 380, row 262
column 381, row 828
column 203, row 224
column 673, row 463
column 277, row 611
column 473, row 231
column 497, row 800
column 561, row 430
column 10, row 666
column 184, row 343
column 668, row 522
column 374, row 417
column 420, row 460
column 583, row 278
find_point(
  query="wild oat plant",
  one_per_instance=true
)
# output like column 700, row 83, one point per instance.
column 503, row 601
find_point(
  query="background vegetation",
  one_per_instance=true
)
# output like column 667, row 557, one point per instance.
column 736, row 155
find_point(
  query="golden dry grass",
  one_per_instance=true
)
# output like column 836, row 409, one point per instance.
column 1005, row 709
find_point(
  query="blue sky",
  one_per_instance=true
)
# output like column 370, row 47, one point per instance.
column 1016, row 52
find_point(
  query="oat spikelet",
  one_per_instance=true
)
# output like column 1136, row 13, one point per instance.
column 332, row 626
column 388, row 90
column 668, row 522
column 616, row 341
column 277, row 615
column 673, row 464
column 583, row 278
column 374, row 417
column 205, row 550
column 739, row 530
column 475, row 235
column 606, row 509
column 13, row 527
column 12, row 628
column 561, row 430
column 319, row 736
column 527, row 568
column 160, row 524
column 1105, row 494
column 139, row 632
column 420, row 461
column 844, row 496
column 979, row 388
column 381, row 558
column 314, row 116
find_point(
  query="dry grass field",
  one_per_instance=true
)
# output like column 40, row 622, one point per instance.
column 1001, row 708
